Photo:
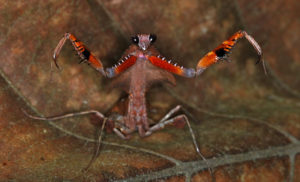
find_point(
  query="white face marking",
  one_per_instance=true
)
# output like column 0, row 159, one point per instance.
column 144, row 41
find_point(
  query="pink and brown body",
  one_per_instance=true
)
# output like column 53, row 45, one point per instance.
column 141, row 67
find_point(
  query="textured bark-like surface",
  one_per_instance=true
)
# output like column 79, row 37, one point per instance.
column 247, row 124
column 264, row 170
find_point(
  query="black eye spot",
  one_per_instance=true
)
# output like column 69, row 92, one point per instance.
column 152, row 38
column 220, row 52
column 86, row 54
column 135, row 39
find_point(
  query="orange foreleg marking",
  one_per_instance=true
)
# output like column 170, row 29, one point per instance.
column 207, row 60
column 123, row 65
column 81, row 50
column 173, row 68
column 84, row 53
column 95, row 62
column 165, row 65
column 224, row 49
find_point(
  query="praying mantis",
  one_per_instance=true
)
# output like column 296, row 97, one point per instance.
column 139, row 68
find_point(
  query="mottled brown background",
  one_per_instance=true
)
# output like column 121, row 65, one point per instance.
column 247, row 124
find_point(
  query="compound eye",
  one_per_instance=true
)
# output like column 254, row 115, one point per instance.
column 135, row 39
column 152, row 38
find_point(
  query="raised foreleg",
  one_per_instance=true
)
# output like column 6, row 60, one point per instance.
column 221, row 52
column 84, row 54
